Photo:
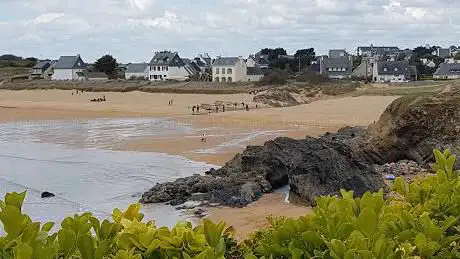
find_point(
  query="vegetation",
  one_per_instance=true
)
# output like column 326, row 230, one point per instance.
column 420, row 220
column 312, row 77
column 9, row 60
column 108, row 65
column 274, row 77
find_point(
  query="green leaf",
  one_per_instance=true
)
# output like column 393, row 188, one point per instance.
column 86, row 247
column 67, row 241
column 15, row 199
column 13, row 221
column 312, row 238
column 367, row 222
column 47, row 226
column 23, row 251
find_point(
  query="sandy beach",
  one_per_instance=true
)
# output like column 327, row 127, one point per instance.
column 227, row 133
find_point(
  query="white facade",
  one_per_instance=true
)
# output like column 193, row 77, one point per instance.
column 66, row 74
column 446, row 76
column 254, row 78
column 161, row 73
column 230, row 73
column 387, row 78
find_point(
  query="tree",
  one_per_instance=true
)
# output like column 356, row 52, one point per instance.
column 106, row 64
column 273, row 53
column 305, row 56
column 457, row 56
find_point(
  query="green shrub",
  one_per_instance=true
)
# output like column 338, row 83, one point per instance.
column 274, row 77
column 419, row 220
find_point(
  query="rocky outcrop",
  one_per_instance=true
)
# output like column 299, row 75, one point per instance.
column 408, row 129
column 310, row 166
column 412, row 126
column 276, row 98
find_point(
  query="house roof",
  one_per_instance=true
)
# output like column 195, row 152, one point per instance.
column 42, row 64
column 253, row 71
column 166, row 58
column 368, row 48
column 337, row 62
column 136, row 68
column 69, row 62
column 225, row 61
column 394, row 68
column 446, row 69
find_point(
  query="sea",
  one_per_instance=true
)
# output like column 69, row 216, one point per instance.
column 74, row 159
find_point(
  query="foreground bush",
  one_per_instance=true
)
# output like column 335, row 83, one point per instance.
column 420, row 220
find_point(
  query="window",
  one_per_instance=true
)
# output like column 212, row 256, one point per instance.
column 385, row 69
column 216, row 79
column 217, row 70
column 223, row 71
column 155, row 77
column 396, row 69
column 329, row 69
column 229, row 71
column 158, row 68
column 166, row 68
column 229, row 79
column 224, row 79
column 154, row 68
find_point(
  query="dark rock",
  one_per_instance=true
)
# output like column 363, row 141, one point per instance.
column 47, row 195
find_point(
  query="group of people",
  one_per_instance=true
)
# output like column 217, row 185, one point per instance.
column 170, row 102
column 99, row 99
column 218, row 108
column 77, row 92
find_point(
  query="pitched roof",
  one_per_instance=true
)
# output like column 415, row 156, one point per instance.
column 255, row 71
column 166, row 58
column 446, row 69
column 42, row 64
column 344, row 62
column 136, row 68
column 394, row 68
column 69, row 62
column 225, row 61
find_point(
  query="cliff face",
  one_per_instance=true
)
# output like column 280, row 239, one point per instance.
column 408, row 129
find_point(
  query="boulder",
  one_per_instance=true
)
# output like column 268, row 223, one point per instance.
column 47, row 195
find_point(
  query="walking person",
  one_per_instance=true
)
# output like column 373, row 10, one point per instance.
column 217, row 108
column 247, row 107
column 223, row 108
column 193, row 109
column 198, row 109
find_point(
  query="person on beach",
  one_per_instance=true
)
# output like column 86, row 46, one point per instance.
column 203, row 138
column 198, row 109
column 217, row 108
column 193, row 109
column 235, row 106
column 223, row 108
column 247, row 107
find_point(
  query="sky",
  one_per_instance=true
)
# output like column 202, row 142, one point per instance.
column 132, row 30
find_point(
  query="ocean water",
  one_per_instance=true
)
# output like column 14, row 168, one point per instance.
column 71, row 159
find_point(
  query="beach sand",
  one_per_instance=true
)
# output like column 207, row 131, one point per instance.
column 226, row 133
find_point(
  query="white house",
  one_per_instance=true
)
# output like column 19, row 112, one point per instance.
column 166, row 65
column 137, row 71
column 43, row 69
column 66, row 68
column 447, row 71
column 229, row 69
column 393, row 72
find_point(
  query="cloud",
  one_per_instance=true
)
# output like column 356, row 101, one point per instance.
column 168, row 21
column 140, row 4
column 46, row 18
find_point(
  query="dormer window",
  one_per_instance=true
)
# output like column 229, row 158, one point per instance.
column 396, row 69
column 385, row 69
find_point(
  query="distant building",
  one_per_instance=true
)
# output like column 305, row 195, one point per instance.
column 366, row 65
column 166, row 65
column 372, row 51
column 447, row 71
column 257, row 61
column 337, row 53
column 229, row 69
column 136, row 71
column 255, row 74
column 393, row 72
column 66, row 68
column 43, row 69
column 443, row 53
column 336, row 68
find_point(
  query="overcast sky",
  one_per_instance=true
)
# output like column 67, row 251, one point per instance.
column 132, row 30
